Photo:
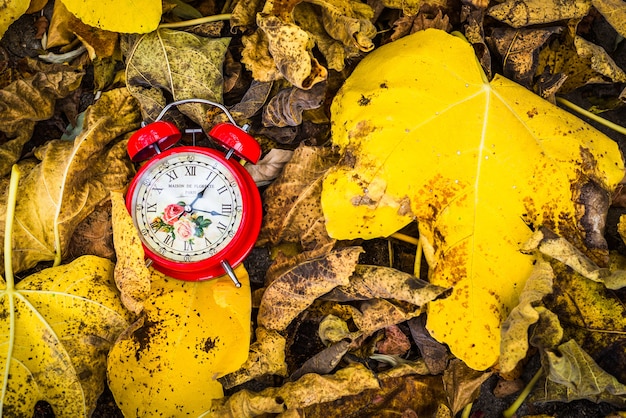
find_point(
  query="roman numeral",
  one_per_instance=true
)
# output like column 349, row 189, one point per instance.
column 190, row 170
column 172, row 175
column 222, row 189
column 169, row 240
column 155, row 225
column 152, row 208
column 227, row 209
column 188, row 246
column 207, row 242
column 221, row 227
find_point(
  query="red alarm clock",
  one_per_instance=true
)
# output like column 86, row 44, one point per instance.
column 197, row 209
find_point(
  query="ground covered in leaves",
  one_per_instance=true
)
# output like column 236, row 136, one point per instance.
column 340, row 323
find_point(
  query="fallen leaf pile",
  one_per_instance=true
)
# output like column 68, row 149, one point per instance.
column 435, row 232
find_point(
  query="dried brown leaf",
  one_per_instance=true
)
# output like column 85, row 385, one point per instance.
column 533, row 12
column 293, row 209
column 462, row 384
column 26, row 101
column 296, row 289
column 434, row 353
column 287, row 106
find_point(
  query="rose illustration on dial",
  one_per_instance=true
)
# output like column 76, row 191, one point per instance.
column 188, row 207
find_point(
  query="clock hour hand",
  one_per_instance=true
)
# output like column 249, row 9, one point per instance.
column 189, row 207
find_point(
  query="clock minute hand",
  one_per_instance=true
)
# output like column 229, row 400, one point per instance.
column 198, row 196
column 210, row 212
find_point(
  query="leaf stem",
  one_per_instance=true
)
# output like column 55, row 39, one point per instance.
column 522, row 396
column 405, row 238
column 8, row 228
column 199, row 21
column 617, row 128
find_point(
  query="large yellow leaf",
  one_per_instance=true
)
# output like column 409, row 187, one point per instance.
column 137, row 16
column 475, row 162
column 55, row 329
column 167, row 363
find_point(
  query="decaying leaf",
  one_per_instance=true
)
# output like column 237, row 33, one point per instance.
column 296, row 289
column 434, row 353
column 138, row 16
column 94, row 235
column 590, row 314
column 293, row 209
column 462, row 384
column 375, row 314
column 614, row 11
column 191, row 333
column 534, row 12
column 57, row 326
column 267, row 356
column 308, row 390
column 72, row 178
column 168, row 63
column 560, row 249
column 132, row 277
column 430, row 147
column 514, row 345
column 402, row 393
column 289, row 47
column 26, row 101
column 581, row 377
column 371, row 282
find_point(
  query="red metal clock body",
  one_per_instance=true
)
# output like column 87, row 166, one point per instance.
column 197, row 209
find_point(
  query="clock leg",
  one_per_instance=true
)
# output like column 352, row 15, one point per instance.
column 229, row 270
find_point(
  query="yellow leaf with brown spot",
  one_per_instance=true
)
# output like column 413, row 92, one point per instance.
column 477, row 164
column 167, row 363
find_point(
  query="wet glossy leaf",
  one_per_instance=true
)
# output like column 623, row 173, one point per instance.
column 71, row 179
column 57, row 326
column 191, row 333
column 440, row 157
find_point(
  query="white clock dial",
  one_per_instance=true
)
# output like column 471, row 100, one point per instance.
column 187, row 207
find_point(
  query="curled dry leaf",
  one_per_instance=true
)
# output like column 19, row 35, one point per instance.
column 26, row 101
column 257, row 59
column 190, row 334
column 514, row 345
column 289, row 47
column 132, row 277
column 308, row 390
column 72, row 178
column 266, row 356
column 57, row 326
column 293, row 208
column 270, row 166
column 535, row 12
column 297, row 288
column 168, row 63
column 434, row 353
column 465, row 194
column 371, row 282
column 394, row 342
column 375, row 314
column 287, row 106
column 94, row 235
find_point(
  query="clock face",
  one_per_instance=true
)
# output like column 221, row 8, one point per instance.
column 187, row 206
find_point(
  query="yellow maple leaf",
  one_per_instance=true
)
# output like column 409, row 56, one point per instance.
column 474, row 162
